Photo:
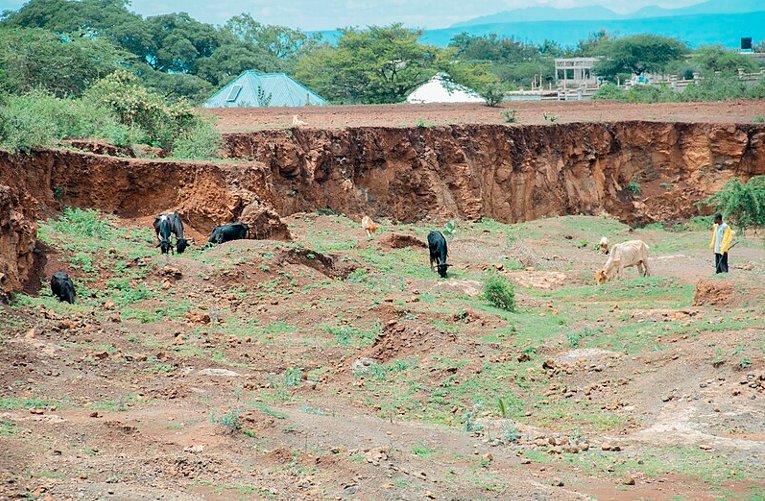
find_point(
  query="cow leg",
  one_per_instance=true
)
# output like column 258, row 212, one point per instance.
column 647, row 270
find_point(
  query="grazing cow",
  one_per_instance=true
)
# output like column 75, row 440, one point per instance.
column 163, row 228
column 62, row 287
column 226, row 232
column 176, row 228
column 604, row 245
column 369, row 226
column 624, row 255
column 438, row 252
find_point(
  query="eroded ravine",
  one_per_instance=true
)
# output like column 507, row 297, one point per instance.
column 638, row 172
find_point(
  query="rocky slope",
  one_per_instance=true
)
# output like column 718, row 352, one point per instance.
column 507, row 173
column 637, row 171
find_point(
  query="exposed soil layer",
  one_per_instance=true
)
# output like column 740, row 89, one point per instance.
column 637, row 171
column 527, row 113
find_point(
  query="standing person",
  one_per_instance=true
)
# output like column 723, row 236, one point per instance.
column 720, row 244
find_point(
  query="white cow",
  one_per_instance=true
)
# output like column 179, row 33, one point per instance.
column 624, row 255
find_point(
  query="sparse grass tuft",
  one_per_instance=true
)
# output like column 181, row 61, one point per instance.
column 229, row 420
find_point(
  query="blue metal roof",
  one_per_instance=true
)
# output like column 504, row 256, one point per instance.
column 259, row 90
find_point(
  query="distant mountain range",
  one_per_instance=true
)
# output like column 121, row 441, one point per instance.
column 599, row 13
column 694, row 30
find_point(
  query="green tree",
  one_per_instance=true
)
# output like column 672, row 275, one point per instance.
column 178, row 41
column 379, row 64
column 743, row 203
column 479, row 77
column 279, row 42
column 62, row 65
column 97, row 17
column 173, row 86
column 491, row 48
column 714, row 58
column 637, row 54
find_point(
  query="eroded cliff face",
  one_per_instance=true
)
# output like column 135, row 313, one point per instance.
column 37, row 185
column 511, row 174
column 18, row 234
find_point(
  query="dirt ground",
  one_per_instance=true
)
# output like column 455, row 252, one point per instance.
column 340, row 367
column 528, row 112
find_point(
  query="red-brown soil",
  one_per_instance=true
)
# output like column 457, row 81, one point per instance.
column 351, row 371
column 528, row 113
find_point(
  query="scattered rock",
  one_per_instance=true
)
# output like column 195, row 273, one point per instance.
column 198, row 318
column 549, row 364
column 362, row 365
column 218, row 373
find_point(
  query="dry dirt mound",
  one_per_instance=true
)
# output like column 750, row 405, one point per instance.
column 712, row 293
column 329, row 265
column 264, row 223
column 400, row 241
column 401, row 338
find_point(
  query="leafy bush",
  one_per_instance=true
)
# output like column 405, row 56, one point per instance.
column 163, row 124
column 743, row 203
column 499, row 292
column 117, row 109
column 634, row 186
column 493, row 94
column 200, row 143
column 609, row 91
column 39, row 119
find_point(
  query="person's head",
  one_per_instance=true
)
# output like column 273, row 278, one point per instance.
column 718, row 218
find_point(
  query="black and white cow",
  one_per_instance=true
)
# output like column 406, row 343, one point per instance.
column 438, row 252
column 227, row 232
column 62, row 287
column 163, row 227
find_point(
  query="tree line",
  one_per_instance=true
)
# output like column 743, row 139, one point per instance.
column 63, row 47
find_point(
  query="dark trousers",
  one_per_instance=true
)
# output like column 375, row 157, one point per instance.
column 721, row 263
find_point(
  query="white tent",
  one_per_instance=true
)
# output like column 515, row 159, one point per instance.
column 440, row 89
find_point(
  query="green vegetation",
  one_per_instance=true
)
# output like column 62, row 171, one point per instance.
column 510, row 116
column 229, row 419
column 63, row 48
column 117, row 109
column 743, row 203
column 499, row 292
column 637, row 54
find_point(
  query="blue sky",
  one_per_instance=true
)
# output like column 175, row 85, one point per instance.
column 330, row 14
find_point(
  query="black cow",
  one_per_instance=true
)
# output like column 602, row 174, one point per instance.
column 62, row 287
column 438, row 252
column 177, row 228
column 226, row 232
column 166, row 224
